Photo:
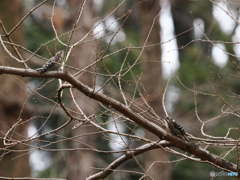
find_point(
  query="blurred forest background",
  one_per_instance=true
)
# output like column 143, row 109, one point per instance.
column 195, row 44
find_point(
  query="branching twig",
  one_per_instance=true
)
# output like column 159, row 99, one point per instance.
column 191, row 148
column 128, row 155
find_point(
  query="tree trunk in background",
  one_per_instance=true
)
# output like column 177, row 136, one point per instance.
column 194, row 58
column 12, row 95
column 81, row 162
column 153, row 83
column 182, row 21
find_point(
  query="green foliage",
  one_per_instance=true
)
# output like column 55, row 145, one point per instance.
column 191, row 170
column 195, row 67
column 35, row 36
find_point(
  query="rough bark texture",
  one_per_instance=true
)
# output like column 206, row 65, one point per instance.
column 12, row 95
column 153, row 82
column 81, row 162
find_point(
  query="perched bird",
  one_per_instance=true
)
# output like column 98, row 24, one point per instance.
column 53, row 63
column 175, row 128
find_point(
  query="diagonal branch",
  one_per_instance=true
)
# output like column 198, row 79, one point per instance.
column 189, row 147
column 128, row 155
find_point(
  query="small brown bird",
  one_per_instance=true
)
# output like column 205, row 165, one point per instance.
column 175, row 128
column 53, row 63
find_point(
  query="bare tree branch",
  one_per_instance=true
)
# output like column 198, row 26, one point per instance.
column 128, row 155
column 191, row 148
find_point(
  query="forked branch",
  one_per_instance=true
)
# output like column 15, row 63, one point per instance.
column 202, row 154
